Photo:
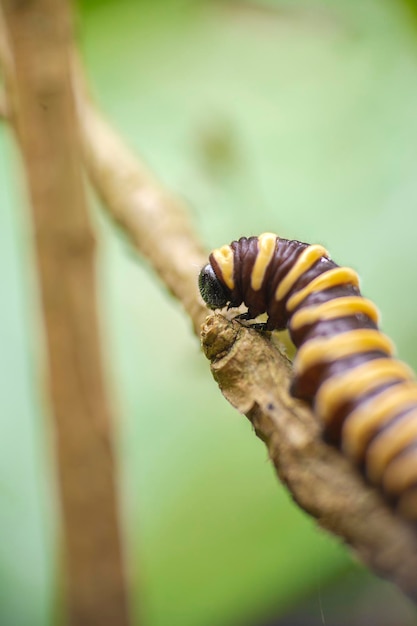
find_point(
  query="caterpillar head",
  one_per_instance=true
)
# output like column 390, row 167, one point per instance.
column 214, row 293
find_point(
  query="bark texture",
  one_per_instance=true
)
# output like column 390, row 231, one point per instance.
column 255, row 377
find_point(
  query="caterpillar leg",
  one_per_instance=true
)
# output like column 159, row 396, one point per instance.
column 246, row 317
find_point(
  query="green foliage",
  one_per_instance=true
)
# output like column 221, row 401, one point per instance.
column 294, row 117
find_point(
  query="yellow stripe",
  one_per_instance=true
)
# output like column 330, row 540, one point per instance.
column 325, row 349
column 305, row 261
column 363, row 422
column 225, row 260
column 401, row 473
column 388, row 443
column 266, row 249
column 342, row 388
column 339, row 307
column 332, row 278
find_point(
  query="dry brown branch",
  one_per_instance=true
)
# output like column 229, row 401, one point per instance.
column 43, row 115
column 251, row 373
column 255, row 378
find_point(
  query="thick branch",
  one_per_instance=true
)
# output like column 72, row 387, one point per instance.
column 44, row 119
column 255, row 378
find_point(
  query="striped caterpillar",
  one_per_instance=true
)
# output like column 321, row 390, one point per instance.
column 344, row 368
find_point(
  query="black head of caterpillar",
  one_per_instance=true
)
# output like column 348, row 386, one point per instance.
column 344, row 367
column 214, row 293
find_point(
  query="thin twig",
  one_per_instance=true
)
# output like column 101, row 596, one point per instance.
column 43, row 117
column 156, row 222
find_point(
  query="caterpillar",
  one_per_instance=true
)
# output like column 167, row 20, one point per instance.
column 344, row 367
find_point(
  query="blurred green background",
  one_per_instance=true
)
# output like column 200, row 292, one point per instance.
column 296, row 117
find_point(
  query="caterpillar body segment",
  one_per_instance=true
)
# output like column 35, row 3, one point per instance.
column 345, row 368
